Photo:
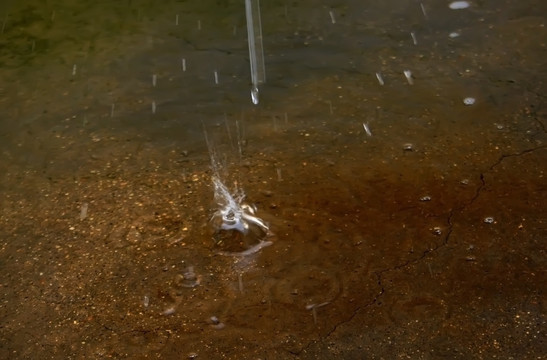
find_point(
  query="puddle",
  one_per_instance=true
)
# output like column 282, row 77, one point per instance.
column 386, row 192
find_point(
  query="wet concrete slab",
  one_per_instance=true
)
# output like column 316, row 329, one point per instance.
column 404, row 222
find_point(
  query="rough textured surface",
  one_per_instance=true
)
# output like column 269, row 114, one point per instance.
column 425, row 240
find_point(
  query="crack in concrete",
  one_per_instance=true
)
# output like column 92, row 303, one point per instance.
column 504, row 156
column 427, row 252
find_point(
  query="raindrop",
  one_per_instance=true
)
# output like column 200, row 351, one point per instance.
column 414, row 39
column 380, row 78
column 256, row 52
column 423, row 10
column 254, row 95
column 367, row 129
column 83, row 211
column 332, row 19
column 408, row 76
column 425, row 198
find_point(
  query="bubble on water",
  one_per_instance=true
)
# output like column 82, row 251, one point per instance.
column 408, row 147
column 216, row 323
column 457, row 5
column 188, row 279
column 488, row 220
column 469, row 101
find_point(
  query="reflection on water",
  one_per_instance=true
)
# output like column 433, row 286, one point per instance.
column 397, row 154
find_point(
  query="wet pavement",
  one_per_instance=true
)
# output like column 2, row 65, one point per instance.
column 405, row 222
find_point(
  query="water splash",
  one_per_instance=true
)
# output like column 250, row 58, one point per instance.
column 236, row 224
column 238, row 231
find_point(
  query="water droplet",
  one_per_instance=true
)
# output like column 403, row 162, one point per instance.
column 380, row 78
column 457, row 5
column 254, row 95
column 408, row 76
column 454, row 34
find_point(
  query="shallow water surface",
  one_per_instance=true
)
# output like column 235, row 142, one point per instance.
column 404, row 222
